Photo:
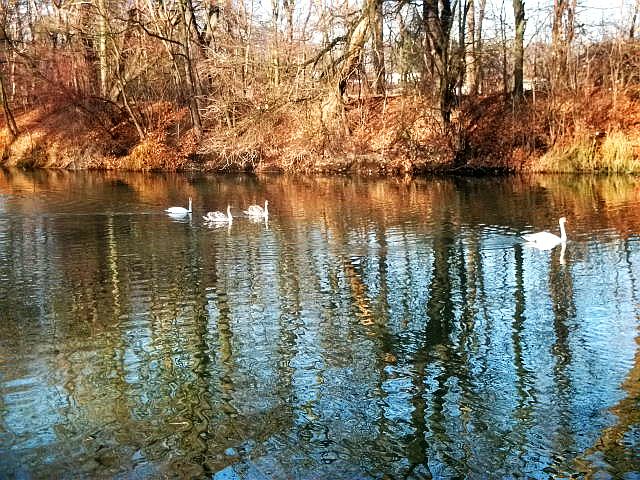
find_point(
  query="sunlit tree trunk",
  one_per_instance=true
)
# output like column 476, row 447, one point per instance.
column 518, row 49
column 459, row 71
column 634, row 18
column 8, row 114
column 562, row 35
column 503, row 49
column 569, row 37
column 438, row 20
column 275, row 47
column 103, row 54
column 470, row 78
column 377, row 22
column 557, row 52
column 289, row 7
column 190, row 74
column 333, row 106
column 478, row 48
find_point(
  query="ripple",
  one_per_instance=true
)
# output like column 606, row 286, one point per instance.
column 369, row 330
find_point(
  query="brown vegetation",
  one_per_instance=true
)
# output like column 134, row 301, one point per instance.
column 394, row 135
column 187, row 85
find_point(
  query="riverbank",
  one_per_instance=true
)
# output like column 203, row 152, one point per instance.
column 395, row 135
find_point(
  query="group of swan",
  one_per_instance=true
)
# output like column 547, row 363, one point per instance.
column 253, row 211
column 546, row 240
column 543, row 240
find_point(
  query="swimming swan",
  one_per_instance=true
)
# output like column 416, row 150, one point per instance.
column 257, row 210
column 546, row 239
column 219, row 217
column 179, row 210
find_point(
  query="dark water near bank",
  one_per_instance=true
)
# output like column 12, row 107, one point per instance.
column 372, row 329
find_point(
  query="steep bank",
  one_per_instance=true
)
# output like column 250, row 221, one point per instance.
column 392, row 135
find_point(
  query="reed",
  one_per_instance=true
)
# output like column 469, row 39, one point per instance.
column 617, row 155
column 576, row 156
column 583, row 153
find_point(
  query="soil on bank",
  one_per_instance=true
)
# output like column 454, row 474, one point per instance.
column 396, row 135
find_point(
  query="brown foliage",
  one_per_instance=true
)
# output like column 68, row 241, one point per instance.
column 515, row 137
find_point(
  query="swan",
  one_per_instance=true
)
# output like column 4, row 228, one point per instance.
column 219, row 217
column 546, row 239
column 257, row 210
column 179, row 210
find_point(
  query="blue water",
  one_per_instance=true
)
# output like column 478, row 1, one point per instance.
column 371, row 329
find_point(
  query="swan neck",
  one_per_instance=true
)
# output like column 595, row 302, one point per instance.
column 563, row 233
column 189, row 204
column 266, row 210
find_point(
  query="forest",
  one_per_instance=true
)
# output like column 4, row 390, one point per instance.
column 328, row 86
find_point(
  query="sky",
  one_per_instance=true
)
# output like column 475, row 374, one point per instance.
column 595, row 18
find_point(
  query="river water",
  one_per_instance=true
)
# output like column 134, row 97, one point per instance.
column 371, row 329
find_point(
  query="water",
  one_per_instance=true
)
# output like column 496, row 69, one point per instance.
column 372, row 329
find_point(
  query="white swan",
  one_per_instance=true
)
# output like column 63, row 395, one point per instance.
column 219, row 217
column 179, row 210
column 545, row 239
column 257, row 211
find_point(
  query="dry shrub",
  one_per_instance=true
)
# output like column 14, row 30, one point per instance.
column 150, row 154
column 393, row 134
column 28, row 151
column 279, row 137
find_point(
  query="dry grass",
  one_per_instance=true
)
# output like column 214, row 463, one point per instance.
column 585, row 153
column 392, row 135
column 577, row 155
column 617, row 154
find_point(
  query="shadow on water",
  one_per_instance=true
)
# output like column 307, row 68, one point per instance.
column 371, row 329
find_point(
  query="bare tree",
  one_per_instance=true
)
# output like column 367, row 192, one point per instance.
column 471, row 69
column 188, row 29
column 103, row 42
column 377, row 28
column 634, row 18
column 6, row 108
column 478, row 47
column 518, row 49
column 438, row 20
column 333, row 106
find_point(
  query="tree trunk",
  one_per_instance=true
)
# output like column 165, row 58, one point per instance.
column 377, row 22
column 8, row 115
column 478, row 48
column 103, row 60
column 634, row 18
column 190, row 76
column 438, row 23
column 568, row 40
column 470, row 80
column 557, row 53
column 333, row 107
column 518, row 49
column 503, row 47
column 275, row 47
column 289, row 7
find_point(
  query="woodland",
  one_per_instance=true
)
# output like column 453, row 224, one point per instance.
column 328, row 86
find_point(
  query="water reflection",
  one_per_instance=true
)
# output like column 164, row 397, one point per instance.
column 371, row 328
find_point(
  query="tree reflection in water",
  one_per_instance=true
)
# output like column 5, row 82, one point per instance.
column 372, row 328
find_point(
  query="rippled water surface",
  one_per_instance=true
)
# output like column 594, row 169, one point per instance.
column 371, row 329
